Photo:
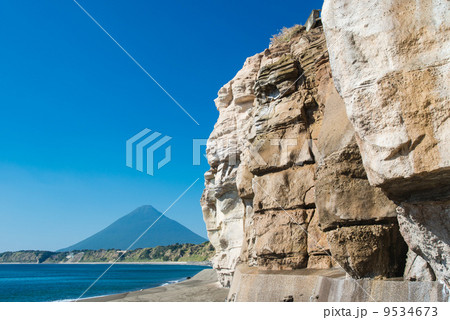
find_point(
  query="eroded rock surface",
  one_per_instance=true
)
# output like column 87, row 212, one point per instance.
column 223, row 208
column 286, row 173
column 425, row 227
column 369, row 251
column 391, row 64
column 417, row 269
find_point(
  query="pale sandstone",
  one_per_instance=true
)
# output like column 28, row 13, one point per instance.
column 417, row 269
column 425, row 227
column 287, row 185
column 391, row 64
column 281, row 240
column 223, row 209
column 285, row 189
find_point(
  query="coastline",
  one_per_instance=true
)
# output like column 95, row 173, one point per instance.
column 193, row 263
column 125, row 278
column 203, row 287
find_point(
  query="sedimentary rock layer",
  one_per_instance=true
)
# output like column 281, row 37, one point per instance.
column 391, row 64
column 287, row 181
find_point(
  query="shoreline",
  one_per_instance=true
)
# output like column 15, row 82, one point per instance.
column 193, row 263
column 202, row 287
column 126, row 292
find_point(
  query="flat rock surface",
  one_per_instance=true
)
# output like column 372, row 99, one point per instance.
column 332, row 285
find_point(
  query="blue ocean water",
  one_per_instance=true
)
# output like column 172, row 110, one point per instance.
column 56, row 282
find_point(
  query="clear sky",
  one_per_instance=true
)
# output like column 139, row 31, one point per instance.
column 70, row 98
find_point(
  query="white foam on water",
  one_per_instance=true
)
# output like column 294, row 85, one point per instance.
column 172, row 282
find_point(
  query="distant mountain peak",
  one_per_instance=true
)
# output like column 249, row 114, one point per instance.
column 146, row 209
column 124, row 231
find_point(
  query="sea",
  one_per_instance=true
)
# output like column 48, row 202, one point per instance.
column 66, row 282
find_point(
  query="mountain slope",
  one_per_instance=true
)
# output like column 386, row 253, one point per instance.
column 121, row 233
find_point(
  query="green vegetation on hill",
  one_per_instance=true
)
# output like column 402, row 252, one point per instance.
column 175, row 252
column 26, row 256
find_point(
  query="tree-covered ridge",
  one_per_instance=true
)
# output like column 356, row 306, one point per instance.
column 175, row 252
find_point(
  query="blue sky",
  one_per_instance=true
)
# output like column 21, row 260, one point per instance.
column 70, row 98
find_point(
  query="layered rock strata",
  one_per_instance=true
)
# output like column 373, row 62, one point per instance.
column 287, row 187
column 391, row 64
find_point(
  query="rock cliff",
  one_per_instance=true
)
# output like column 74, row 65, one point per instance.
column 315, row 159
column 391, row 64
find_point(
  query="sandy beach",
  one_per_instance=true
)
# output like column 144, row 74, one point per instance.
column 203, row 287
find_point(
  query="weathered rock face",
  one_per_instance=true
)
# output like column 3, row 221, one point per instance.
column 344, row 194
column 417, row 269
column 391, row 64
column 369, row 251
column 223, row 208
column 287, row 184
column 426, row 228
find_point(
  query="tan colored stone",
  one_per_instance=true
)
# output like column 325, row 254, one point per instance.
column 281, row 239
column 276, row 79
column 369, row 251
column 281, row 121
column 425, row 227
column 344, row 195
column 317, row 239
column 278, row 149
column 392, row 69
column 244, row 182
column 320, row 262
column 283, row 190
